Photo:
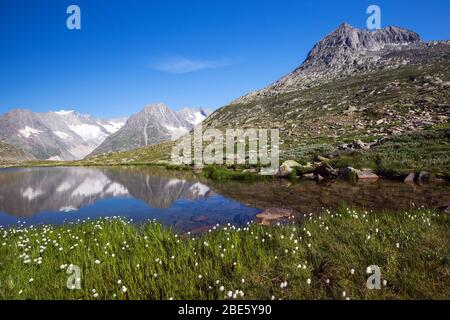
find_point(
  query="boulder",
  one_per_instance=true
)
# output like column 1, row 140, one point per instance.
column 359, row 145
column 286, row 168
column 327, row 171
column 309, row 176
column 410, row 178
column 318, row 177
column 323, row 159
column 350, row 174
column 274, row 214
column 367, row 174
column 425, row 177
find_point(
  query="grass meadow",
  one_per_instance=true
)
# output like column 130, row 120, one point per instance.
column 323, row 257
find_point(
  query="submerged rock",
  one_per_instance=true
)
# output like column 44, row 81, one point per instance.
column 274, row 214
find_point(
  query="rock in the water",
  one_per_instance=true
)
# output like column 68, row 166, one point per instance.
column 367, row 174
column 327, row 171
column 445, row 209
column 410, row 178
column 318, row 177
column 350, row 174
column 309, row 176
column 274, row 214
column 425, row 177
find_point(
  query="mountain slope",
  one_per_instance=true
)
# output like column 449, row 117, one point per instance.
column 12, row 154
column 155, row 123
column 398, row 84
column 62, row 135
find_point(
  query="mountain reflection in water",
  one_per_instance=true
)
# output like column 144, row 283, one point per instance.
column 54, row 195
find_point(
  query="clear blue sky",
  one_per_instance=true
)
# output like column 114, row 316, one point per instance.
column 195, row 53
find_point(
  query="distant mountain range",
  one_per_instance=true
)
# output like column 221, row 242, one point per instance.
column 68, row 135
column 155, row 123
column 61, row 135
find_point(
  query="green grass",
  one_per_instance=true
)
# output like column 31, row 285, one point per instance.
column 222, row 173
column 427, row 150
column 323, row 248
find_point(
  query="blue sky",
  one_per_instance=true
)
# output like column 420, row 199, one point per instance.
column 196, row 53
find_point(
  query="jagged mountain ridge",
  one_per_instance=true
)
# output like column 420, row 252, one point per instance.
column 344, row 52
column 61, row 135
column 154, row 124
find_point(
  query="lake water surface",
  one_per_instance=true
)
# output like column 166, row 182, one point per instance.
column 183, row 200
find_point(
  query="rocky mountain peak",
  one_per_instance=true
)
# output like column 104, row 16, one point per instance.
column 344, row 52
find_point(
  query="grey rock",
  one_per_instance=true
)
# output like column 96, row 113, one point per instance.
column 410, row 178
column 425, row 177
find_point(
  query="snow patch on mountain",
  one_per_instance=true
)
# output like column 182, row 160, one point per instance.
column 61, row 134
column 88, row 132
column 28, row 131
column 113, row 126
column 64, row 112
column 176, row 132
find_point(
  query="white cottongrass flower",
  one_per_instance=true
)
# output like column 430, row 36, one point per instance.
column 344, row 294
column 385, row 282
column 308, row 281
column 352, row 271
column 230, row 294
column 397, row 245
column 222, row 288
column 283, row 285
column 119, row 281
column 97, row 261
column 95, row 295
column 369, row 270
column 31, row 280
column 200, row 276
column 124, row 289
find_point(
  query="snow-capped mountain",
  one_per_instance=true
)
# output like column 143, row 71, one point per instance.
column 154, row 124
column 194, row 116
column 61, row 135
